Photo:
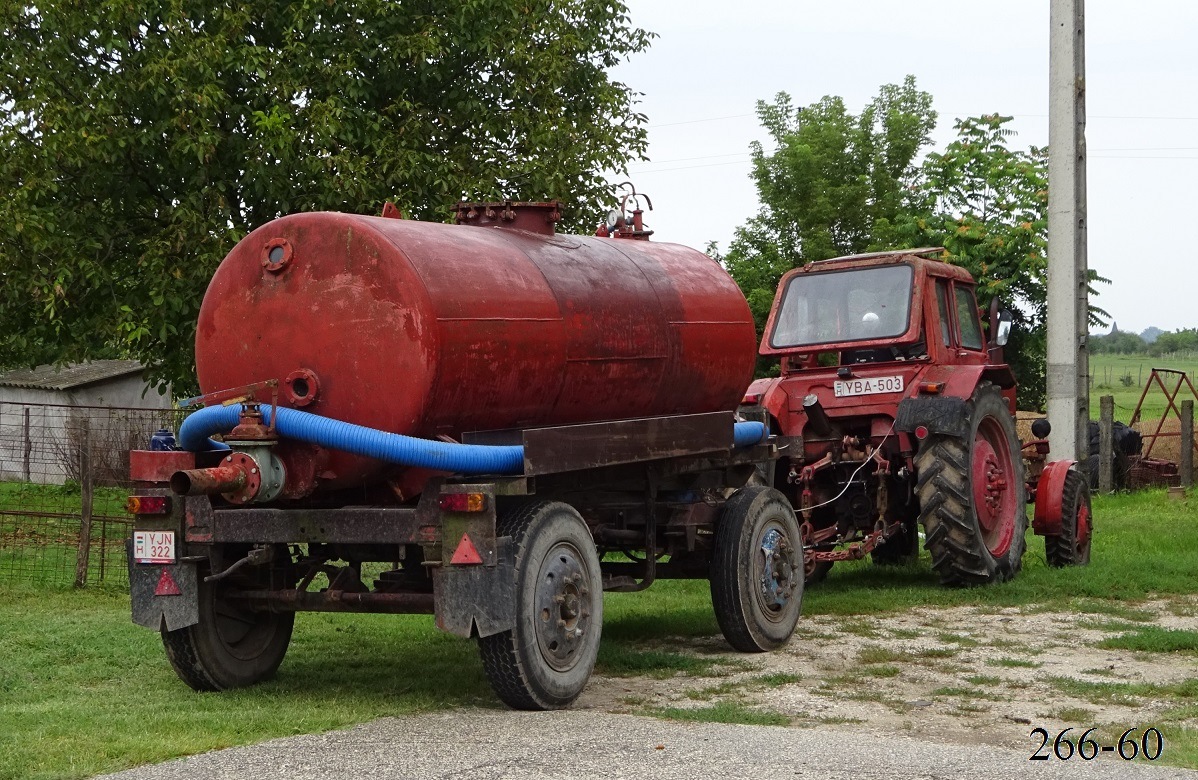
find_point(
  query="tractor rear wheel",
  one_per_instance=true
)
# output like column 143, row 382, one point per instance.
column 971, row 496
column 1072, row 546
column 545, row 661
column 757, row 570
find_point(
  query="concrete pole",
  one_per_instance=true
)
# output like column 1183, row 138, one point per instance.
column 1068, row 355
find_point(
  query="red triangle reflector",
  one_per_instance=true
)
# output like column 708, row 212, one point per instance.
column 466, row 553
column 167, row 585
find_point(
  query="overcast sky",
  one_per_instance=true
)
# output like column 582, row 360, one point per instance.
column 713, row 60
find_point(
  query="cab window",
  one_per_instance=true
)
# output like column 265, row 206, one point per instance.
column 942, row 302
column 967, row 316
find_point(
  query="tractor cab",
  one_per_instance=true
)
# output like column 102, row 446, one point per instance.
column 866, row 331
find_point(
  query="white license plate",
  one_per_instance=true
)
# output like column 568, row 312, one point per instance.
column 877, row 384
column 154, row 546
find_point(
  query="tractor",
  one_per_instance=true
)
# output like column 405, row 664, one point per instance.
column 896, row 412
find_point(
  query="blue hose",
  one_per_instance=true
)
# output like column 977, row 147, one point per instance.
column 381, row 445
column 746, row 434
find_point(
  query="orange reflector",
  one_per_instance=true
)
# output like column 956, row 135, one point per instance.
column 167, row 585
column 466, row 553
column 148, row 505
column 932, row 388
column 463, row 502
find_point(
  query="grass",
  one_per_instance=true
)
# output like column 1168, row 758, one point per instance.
column 723, row 712
column 82, row 691
column 1154, row 640
column 1108, row 370
column 1013, row 663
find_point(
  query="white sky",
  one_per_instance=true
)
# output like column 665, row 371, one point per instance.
column 713, row 60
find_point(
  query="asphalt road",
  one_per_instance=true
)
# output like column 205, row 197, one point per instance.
column 489, row 745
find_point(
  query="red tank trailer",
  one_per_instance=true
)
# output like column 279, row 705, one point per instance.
column 434, row 330
column 366, row 354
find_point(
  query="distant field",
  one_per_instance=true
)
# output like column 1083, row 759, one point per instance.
column 1124, row 377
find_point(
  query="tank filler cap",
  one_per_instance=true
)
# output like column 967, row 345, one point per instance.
column 512, row 215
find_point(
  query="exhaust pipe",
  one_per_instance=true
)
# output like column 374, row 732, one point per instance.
column 817, row 418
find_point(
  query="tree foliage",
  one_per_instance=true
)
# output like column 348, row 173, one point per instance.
column 140, row 140
column 832, row 185
column 837, row 184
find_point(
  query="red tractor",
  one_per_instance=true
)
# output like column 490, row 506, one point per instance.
column 900, row 407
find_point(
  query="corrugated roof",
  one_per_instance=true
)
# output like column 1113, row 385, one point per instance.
column 68, row 377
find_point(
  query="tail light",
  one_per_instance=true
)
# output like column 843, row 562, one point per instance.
column 148, row 505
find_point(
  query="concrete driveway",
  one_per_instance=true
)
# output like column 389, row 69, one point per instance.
column 492, row 744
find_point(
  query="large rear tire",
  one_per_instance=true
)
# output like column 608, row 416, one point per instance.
column 971, row 496
column 757, row 570
column 1072, row 546
column 231, row 647
column 545, row 661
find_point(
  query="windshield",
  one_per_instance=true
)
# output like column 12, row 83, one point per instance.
column 838, row 306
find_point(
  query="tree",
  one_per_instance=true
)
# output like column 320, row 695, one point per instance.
column 987, row 205
column 140, row 140
column 833, row 184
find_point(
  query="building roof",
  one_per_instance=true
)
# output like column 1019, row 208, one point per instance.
column 68, row 377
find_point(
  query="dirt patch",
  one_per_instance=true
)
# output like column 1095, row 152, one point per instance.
column 969, row 675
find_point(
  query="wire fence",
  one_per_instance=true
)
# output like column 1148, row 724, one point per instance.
column 64, row 477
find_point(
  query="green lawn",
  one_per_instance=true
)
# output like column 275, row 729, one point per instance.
column 1124, row 377
column 83, row 691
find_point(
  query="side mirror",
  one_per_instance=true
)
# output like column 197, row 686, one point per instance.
column 1000, row 324
column 1002, row 330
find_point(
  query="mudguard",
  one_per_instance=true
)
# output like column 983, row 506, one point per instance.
column 163, row 596
column 948, row 416
column 477, row 600
column 1049, row 494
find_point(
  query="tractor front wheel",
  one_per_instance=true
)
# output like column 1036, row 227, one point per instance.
column 971, row 496
column 1072, row 546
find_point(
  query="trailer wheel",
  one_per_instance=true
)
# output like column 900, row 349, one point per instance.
column 230, row 647
column 1072, row 547
column 757, row 570
column 545, row 661
column 971, row 496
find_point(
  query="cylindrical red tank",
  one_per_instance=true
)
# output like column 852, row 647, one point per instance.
column 429, row 329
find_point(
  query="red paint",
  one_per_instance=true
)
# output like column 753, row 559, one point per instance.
column 1050, row 491
column 158, row 465
column 994, row 497
column 429, row 329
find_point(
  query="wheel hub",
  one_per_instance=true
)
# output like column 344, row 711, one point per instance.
column 777, row 574
column 993, row 495
column 563, row 606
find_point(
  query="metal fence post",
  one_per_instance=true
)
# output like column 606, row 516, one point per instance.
column 85, row 499
column 1106, row 443
column 1187, row 443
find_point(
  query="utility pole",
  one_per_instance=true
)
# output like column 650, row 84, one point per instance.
column 1068, row 302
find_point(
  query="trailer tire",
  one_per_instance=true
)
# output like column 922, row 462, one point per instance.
column 545, row 661
column 971, row 496
column 757, row 570
column 230, row 647
column 1072, row 546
